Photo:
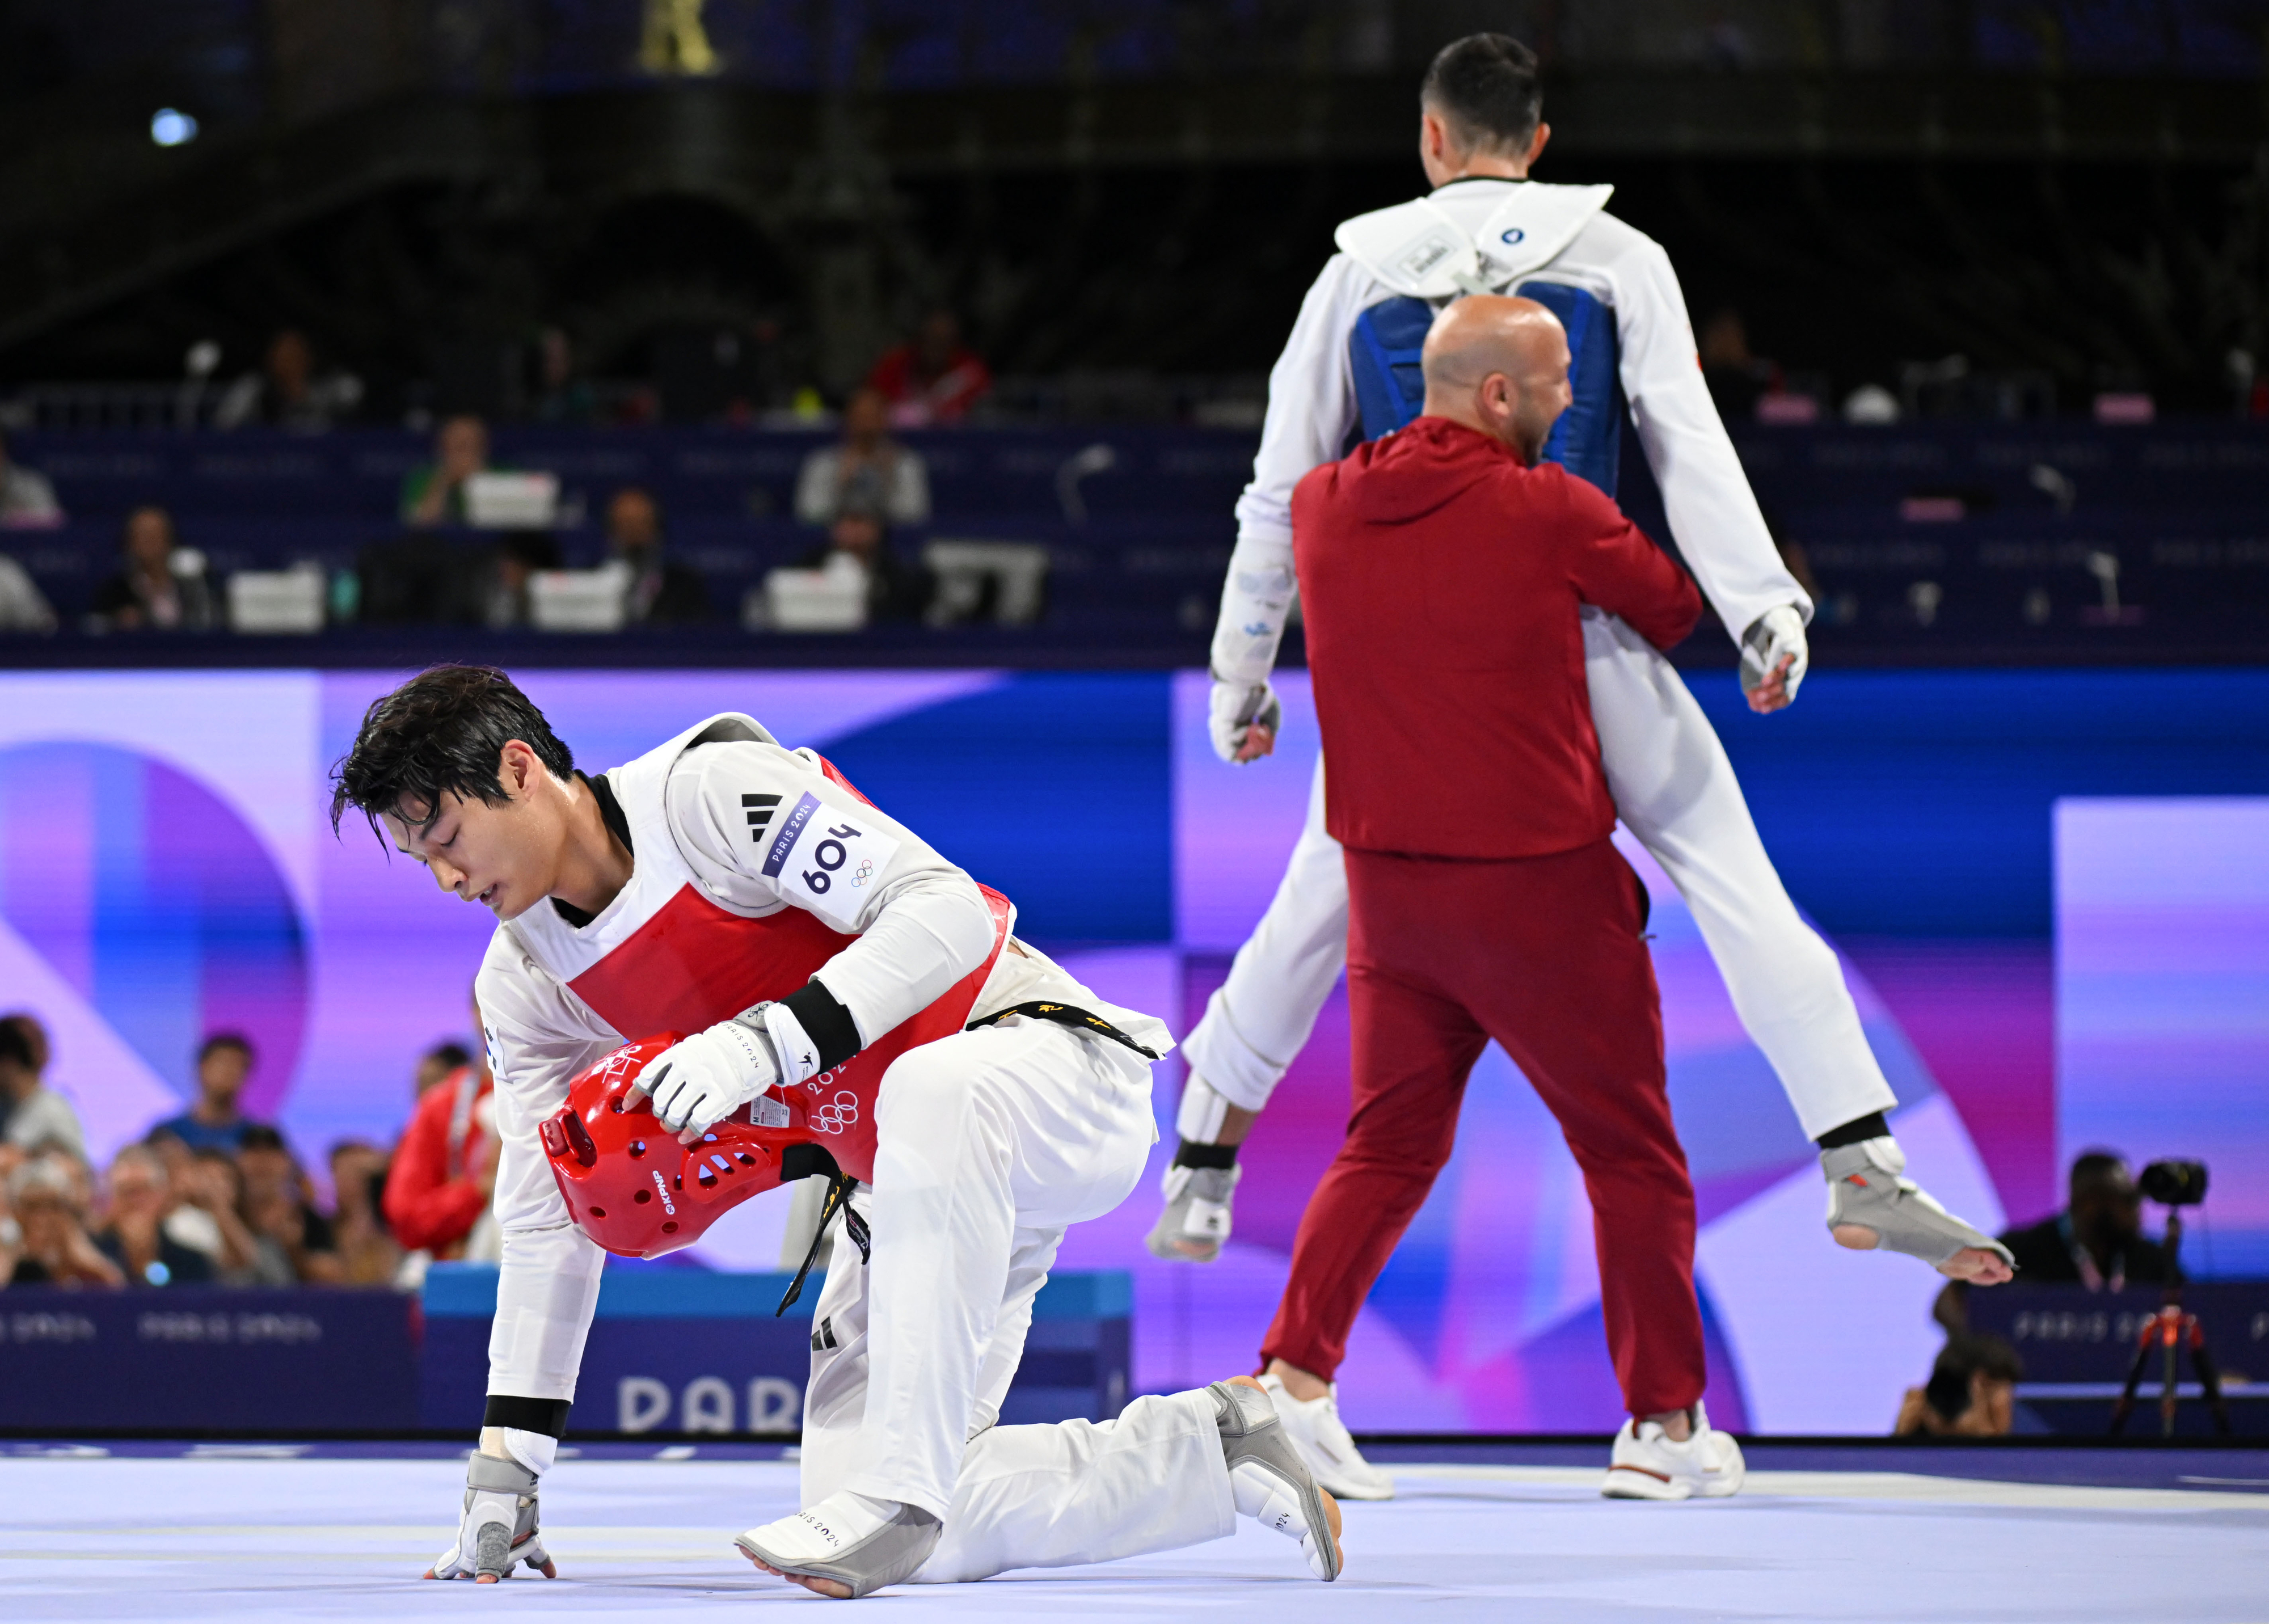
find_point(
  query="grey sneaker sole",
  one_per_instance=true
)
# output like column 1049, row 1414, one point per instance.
column 892, row 1552
column 1251, row 1434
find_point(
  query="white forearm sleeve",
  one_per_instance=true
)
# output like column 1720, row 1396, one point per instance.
column 1713, row 515
column 547, row 1288
column 539, row 1036
column 1311, row 409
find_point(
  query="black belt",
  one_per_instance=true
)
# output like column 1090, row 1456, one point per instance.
column 1066, row 1015
column 840, row 1184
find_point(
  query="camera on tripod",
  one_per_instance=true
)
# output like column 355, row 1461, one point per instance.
column 2173, row 1183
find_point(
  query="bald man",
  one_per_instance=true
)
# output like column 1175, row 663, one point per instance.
column 1444, row 568
column 1487, row 227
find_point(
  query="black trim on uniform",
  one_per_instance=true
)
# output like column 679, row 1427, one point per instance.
column 548, row 1416
column 825, row 1022
column 1870, row 1126
column 611, row 814
column 1194, row 1155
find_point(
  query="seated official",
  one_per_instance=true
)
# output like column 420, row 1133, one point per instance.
column 162, row 587
column 896, row 589
column 865, row 468
column 660, row 591
column 434, row 493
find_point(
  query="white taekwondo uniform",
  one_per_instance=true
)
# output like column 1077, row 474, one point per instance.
column 1671, row 783
column 989, row 1143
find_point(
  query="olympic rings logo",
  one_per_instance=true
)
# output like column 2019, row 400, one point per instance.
column 837, row 1114
column 864, row 873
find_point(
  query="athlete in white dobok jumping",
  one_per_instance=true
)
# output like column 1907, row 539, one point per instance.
column 725, row 886
column 1350, row 369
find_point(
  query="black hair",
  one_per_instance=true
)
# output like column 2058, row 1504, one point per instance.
column 1486, row 85
column 260, row 1136
column 441, row 733
column 452, row 1055
column 2095, row 1166
column 1962, row 1357
column 16, row 1047
column 237, row 1041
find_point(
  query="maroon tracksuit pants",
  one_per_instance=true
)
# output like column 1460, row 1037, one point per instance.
column 1546, row 954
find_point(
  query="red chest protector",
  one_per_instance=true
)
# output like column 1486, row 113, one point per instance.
column 693, row 965
column 665, row 958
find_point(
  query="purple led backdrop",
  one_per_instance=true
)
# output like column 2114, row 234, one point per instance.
column 166, row 870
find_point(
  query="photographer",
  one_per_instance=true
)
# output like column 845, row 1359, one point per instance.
column 2097, row 1241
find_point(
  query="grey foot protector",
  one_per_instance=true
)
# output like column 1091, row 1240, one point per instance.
column 1197, row 1214
column 891, row 1552
column 1865, row 1187
column 1252, row 1435
column 500, row 1546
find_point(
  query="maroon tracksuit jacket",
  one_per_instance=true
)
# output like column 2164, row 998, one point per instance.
column 1441, row 582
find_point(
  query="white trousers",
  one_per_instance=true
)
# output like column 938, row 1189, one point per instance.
column 989, row 1145
column 1675, row 792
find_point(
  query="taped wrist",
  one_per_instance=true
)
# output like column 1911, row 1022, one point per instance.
column 1857, row 1131
column 824, row 1019
column 548, row 1416
column 1205, row 1155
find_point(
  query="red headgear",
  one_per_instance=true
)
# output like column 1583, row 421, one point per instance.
column 631, row 1187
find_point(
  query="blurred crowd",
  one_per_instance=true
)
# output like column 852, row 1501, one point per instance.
column 211, row 1197
column 479, row 540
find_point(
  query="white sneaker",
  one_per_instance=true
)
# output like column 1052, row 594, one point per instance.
column 1648, row 1465
column 1316, row 1431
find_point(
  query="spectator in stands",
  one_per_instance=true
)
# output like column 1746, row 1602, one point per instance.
column 563, row 394
column 518, row 556
column 52, row 1246
column 1737, row 378
column 38, row 1117
column 2097, row 1241
column 11, row 1233
column 278, row 1204
column 896, row 589
column 214, row 1123
column 661, row 590
column 287, row 393
column 162, row 588
column 865, row 468
column 434, row 492
column 27, row 501
column 211, row 1187
column 437, row 1064
column 444, row 1174
column 934, row 380
column 25, row 1022
column 1972, row 1391
column 134, row 1239
column 23, row 607
column 368, row 1256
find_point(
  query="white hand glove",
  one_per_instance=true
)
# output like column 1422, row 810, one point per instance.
column 498, row 1532
column 699, row 1081
column 1234, row 708
column 1776, row 632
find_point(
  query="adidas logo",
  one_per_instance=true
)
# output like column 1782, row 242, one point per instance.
column 759, row 809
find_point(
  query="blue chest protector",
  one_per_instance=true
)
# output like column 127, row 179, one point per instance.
column 1587, row 440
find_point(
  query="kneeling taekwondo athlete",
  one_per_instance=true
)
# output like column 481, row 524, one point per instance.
column 856, row 1007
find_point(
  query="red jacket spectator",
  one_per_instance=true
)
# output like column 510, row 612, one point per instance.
column 937, row 379
column 1441, row 581
column 442, row 1173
